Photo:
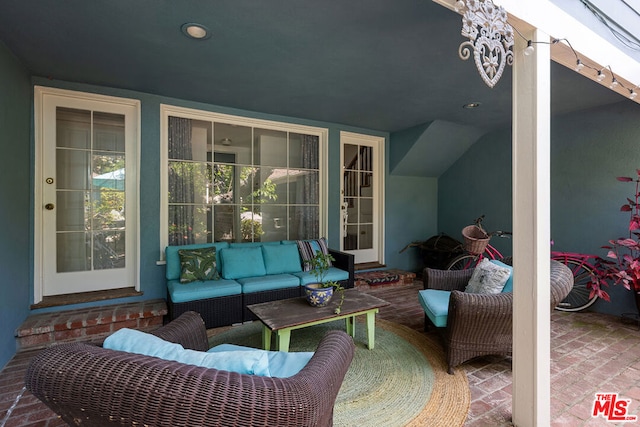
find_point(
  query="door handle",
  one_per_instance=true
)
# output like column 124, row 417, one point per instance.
column 49, row 206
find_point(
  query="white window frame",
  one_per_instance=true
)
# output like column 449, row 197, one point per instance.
column 189, row 113
column 133, row 166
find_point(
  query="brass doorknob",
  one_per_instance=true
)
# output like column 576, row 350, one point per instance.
column 49, row 206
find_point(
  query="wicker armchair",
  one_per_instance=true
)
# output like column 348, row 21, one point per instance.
column 480, row 324
column 90, row 385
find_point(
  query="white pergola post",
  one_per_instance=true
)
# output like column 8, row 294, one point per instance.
column 531, row 232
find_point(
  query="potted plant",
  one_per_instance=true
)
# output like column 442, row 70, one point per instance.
column 622, row 263
column 319, row 293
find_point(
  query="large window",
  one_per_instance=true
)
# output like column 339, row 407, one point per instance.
column 234, row 179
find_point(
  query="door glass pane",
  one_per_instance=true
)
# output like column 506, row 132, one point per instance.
column 73, row 169
column 108, row 250
column 358, row 197
column 73, row 128
column 366, row 186
column 366, row 154
column 351, row 183
column 72, row 212
column 87, row 160
column 366, row 210
column 351, row 238
column 365, row 240
column 108, row 132
column 350, row 156
column 72, row 252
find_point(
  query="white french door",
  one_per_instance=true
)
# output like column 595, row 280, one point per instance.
column 362, row 191
column 86, row 198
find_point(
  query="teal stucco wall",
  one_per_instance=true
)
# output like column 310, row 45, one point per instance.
column 15, row 199
column 589, row 149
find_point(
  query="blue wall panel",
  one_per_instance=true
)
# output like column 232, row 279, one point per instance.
column 15, row 175
column 589, row 149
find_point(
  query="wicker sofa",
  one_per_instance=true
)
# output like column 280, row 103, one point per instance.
column 481, row 324
column 224, row 302
column 89, row 385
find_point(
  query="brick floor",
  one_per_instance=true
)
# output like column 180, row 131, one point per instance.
column 591, row 353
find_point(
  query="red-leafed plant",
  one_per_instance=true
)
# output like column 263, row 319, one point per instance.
column 622, row 263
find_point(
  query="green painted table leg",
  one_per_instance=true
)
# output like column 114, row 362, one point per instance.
column 351, row 326
column 284, row 336
column 266, row 337
column 371, row 329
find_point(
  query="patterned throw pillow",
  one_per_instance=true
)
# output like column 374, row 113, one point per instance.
column 198, row 264
column 488, row 278
column 308, row 249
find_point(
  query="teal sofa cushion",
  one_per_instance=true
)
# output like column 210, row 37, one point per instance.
column 333, row 274
column 435, row 304
column 241, row 262
column 508, row 287
column 268, row 283
column 280, row 259
column 173, row 258
column 194, row 291
column 254, row 362
column 281, row 364
column 252, row 244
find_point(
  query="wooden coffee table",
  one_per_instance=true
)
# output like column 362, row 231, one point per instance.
column 284, row 316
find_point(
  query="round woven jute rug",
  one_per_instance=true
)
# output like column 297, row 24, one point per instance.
column 403, row 381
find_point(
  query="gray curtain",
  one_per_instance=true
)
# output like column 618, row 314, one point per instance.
column 181, row 183
column 309, row 221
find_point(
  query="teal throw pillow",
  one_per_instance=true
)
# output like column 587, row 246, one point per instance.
column 198, row 264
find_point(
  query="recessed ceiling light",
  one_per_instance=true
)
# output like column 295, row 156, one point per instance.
column 195, row 31
column 471, row 105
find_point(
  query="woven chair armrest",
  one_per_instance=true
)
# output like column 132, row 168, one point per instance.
column 187, row 330
column 561, row 282
column 87, row 384
column 480, row 314
column 447, row 280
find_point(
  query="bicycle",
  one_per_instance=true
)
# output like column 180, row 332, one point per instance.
column 476, row 246
column 584, row 271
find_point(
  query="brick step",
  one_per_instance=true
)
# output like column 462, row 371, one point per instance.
column 90, row 324
column 383, row 279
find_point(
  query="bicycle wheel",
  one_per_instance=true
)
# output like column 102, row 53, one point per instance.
column 463, row 262
column 578, row 299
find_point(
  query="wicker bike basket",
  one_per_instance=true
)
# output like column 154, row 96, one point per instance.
column 475, row 239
